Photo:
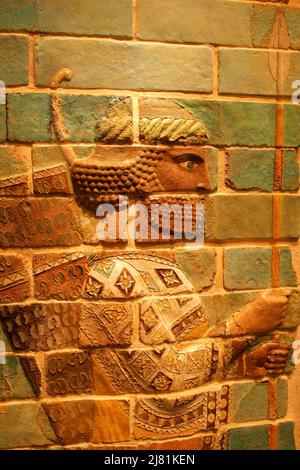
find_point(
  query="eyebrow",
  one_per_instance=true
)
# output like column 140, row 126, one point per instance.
column 188, row 156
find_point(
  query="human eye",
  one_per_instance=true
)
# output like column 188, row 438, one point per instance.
column 189, row 165
column 188, row 161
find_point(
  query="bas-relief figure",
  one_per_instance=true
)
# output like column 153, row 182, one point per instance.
column 180, row 346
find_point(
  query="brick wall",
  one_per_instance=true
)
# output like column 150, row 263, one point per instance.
column 87, row 366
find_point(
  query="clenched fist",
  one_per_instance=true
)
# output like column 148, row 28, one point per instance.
column 267, row 359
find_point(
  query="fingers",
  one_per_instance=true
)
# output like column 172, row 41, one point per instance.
column 277, row 359
column 275, row 367
column 278, row 346
column 274, row 370
column 279, row 352
column 278, row 371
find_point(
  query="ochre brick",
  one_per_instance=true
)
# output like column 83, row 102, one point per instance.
column 15, row 170
column 200, row 412
column 51, row 172
column 14, row 279
column 125, row 65
column 41, row 327
column 59, row 276
column 111, row 422
column 238, row 216
column 38, row 222
column 72, row 420
column 68, row 373
column 108, row 324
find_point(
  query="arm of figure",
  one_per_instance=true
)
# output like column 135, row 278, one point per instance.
column 265, row 359
column 264, row 314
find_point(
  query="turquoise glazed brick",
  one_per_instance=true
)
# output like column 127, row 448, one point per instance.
column 250, row 169
column 247, row 268
column 2, row 123
column 287, row 273
column 282, row 397
column 292, row 125
column 29, row 117
column 286, row 439
column 14, row 380
column 235, row 123
column 249, row 438
column 290, row 171
column 244, row 395
column 18, row 15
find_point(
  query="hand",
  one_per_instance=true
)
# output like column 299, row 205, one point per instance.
column 267, row 359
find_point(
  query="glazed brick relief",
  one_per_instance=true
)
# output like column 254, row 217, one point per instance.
column 152, row 343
